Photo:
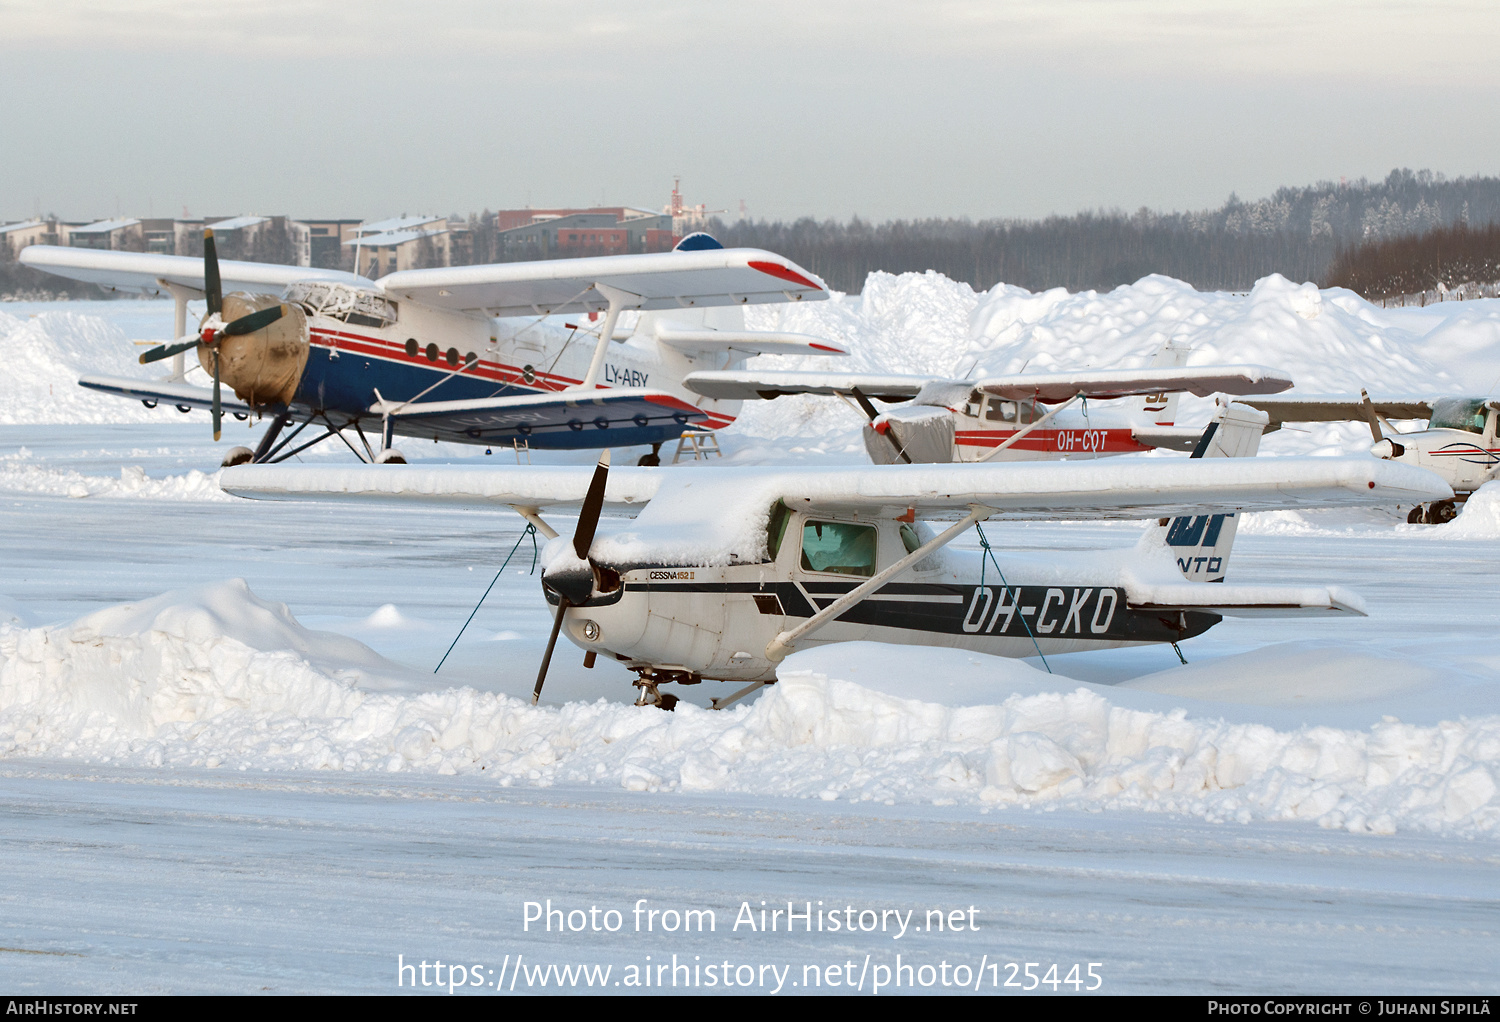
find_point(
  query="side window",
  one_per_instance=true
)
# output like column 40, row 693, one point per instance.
column 1000, row 411
column 838, row 547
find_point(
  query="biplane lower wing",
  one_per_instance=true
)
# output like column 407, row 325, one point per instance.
column 621, row 416
column 1019, row 490
column 154, row 392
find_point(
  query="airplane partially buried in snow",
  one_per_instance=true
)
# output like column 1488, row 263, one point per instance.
column 727, row 571
column 417, row 354
column 1018, row 417
column 1461, row 442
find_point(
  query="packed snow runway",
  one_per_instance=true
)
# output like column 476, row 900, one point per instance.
column 1308, row 806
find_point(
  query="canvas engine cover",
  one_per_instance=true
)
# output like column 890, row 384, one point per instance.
column 264, row 367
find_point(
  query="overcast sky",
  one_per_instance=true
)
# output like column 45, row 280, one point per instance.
column 825, row 107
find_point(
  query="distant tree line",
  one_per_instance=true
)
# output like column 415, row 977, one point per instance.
column 1412, row 263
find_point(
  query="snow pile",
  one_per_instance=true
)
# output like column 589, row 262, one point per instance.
column 1478, row 519
column 46, row 353
column 217, row 677
column 19, row 474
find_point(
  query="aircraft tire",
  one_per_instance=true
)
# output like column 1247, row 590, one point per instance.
column 649, row 460
column 237, row 456
column 390, row 456
column 1442, row 512
column 667, row 702
column 1417, row 516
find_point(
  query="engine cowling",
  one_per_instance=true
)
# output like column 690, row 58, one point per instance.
column 263, row 367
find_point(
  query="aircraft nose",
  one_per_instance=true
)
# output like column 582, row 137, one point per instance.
column 574, row 582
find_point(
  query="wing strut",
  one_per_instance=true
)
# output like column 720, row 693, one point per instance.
column 779, row 648
column 618, row 301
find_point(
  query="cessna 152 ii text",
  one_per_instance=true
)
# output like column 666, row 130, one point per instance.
column 417, row 353
column 1459, row 444
column 726, row 571
column 1005, row 418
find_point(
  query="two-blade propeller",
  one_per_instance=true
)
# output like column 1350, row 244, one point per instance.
column 574, row 582
column 213, row 292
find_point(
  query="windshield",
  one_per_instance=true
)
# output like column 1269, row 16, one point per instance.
column 838, row 547
column 1458, row 413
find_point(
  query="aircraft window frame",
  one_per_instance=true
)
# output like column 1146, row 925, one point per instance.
column 1460, row 413
column 839, row 562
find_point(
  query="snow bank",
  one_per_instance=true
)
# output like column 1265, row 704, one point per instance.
column 20, row 474
column 215, row 677
column 1479, row 518
column 46, row 353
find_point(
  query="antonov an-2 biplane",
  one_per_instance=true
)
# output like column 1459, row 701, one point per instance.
column 1017, row 417
column 725, row 572
column 416, row 353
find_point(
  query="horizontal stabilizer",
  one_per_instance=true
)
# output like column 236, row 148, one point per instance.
column 183, row 394
column 1245, row 601
column 1172, row 438
column 750, row 341
column 747, row 384
column 1111, row 383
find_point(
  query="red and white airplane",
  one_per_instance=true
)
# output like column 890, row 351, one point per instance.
column 418, row 353
column 1007, row 418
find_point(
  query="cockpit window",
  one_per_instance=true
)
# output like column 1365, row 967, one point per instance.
column 776, row 528
column 838, row 547
column 1458, row 413
column 1000, row 411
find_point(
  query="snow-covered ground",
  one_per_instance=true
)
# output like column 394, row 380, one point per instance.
column 227, row 764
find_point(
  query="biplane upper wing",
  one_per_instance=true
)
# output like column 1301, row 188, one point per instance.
column 147, row 273
column 1338, row 407
column 663, row 280
column 1111, row 383
column 1020, row 490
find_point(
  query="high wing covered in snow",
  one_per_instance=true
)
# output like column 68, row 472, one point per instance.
column 1063, row 490
column 665, row 280
column 145, row 273
column 1339, row 407
column 747, row 385
column 1201, row 381
column 754, row 341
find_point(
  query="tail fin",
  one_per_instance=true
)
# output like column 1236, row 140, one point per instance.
column 1200, row 543
column 1161, row 409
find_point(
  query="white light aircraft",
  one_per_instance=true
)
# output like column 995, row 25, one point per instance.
column 1005, row 418
column 1459, row 443
column 727, row 571
column 417, row 353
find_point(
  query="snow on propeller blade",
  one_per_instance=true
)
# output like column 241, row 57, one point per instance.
column 213, row 291
column 573, row 581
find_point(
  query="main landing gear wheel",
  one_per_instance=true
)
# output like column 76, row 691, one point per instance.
column 1441, row 513
column 237, row 456
column 1417, row 515
column 390, row 456
column 653, row 459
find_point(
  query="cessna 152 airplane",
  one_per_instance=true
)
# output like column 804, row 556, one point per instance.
column 725, row 572
column 1459, row 443
column 417, row 353
column 1003, row 418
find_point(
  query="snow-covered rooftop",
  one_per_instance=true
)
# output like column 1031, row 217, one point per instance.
column 390, row 238
column 237, row 222
column 105, row 226
column 398, row 223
